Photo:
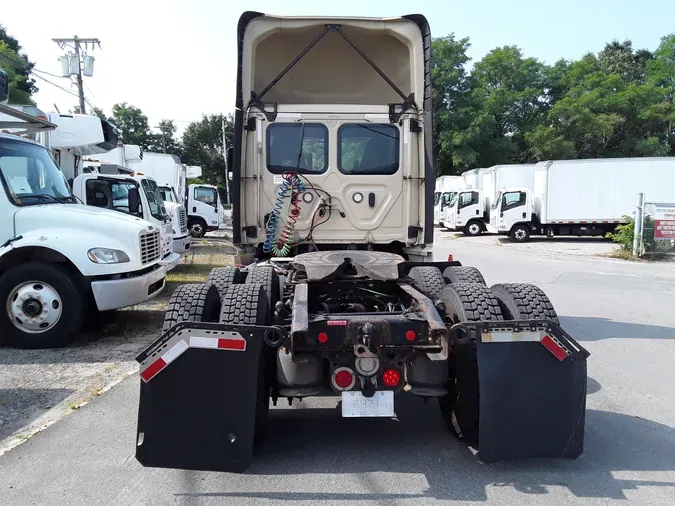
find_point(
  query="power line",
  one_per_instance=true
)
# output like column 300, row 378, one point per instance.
column 58, row 86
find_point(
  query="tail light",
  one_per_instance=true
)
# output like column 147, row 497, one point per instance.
column 391, row 378
column 343, row 378
column 410, row 335
column 322, row 337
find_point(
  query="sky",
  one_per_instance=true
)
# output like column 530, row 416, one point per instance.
column 176, row 59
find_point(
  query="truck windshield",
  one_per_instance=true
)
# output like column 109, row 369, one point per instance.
column 168, row 195
column 154, row 197
column 29, row 175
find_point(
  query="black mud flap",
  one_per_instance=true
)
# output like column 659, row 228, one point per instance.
column 532, row 378
column 198, row 397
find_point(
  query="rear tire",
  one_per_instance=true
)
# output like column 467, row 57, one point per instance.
column 247, row 304
column 428, row 280
column 522, row 301
column 36, row 284
column 267, row 277
column 473, row 228
column 462, row 274
column 224, row 277
column 466, row 302
column 196, row 302
column 520, row 233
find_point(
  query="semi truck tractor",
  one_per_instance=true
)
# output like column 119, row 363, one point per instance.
column 581, row 197
column 337, row 292
column 469, row 212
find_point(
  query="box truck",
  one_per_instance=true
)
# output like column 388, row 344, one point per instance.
column 58, row 258
column 581, row 197
column 449, row 186
column 470, row 211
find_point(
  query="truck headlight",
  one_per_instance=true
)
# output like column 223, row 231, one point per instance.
column 107, row 256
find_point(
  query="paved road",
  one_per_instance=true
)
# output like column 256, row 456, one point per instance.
column 622, row 312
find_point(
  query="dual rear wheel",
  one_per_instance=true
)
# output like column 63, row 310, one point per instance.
column 465, row 297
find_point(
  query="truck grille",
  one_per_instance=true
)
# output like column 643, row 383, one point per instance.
column 150, row 247
column 182, row 219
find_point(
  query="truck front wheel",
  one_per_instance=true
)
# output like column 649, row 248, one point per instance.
column 197, row 228
column 42, row 306
column 520, row 233
column 473, row 228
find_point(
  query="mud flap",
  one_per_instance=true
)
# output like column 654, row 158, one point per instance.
column 532, row 378
column 198, row 397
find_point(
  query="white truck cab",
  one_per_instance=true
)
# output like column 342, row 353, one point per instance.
column 202, row 208
column 181, row 238
column 58, row 258
column 511, row 206
column 136, row 196
column 466, row 212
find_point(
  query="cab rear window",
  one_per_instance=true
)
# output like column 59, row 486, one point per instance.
column 368, row 149
column 297, row 147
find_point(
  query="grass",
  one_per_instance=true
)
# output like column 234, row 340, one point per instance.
column 622, row 254
column 196, row 265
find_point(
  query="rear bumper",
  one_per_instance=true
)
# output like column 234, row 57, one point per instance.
column 170, row 261
column 118, row 293
column 182, row 244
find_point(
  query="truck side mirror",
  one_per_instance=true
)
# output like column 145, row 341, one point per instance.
column 230, row 158
column 134, row 200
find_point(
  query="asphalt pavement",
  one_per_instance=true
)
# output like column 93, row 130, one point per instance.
column 622, row 312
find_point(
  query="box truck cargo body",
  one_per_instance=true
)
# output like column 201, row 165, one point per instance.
column 447, row 188
column 582, row 197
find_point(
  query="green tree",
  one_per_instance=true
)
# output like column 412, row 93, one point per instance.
column 450, row 88
column 18, row 68
column 165, row 141
column 132, row 124
column 203, row 145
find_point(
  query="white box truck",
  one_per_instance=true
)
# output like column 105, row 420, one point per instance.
column 469, row 212
column 581, row 197
column 450, row 186
column 59, row 258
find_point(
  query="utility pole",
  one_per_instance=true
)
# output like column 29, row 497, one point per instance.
column 163, row 138
column 76, row 41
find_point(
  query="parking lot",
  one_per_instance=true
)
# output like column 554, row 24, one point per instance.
column 620, row 311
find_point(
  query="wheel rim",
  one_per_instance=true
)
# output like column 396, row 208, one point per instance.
column 474, row 229
column 34, row 307
column 197, row 229
column 520, row 234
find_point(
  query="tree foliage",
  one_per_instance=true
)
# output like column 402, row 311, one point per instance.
column 18, row 68
column 514, row 109
column 132, row 125
column 202, row 144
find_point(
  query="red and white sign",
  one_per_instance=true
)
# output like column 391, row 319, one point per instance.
column 664, row 229
column 664, row 222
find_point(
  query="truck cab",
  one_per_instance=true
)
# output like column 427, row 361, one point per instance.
column 511, row 207
column 203, row 209
column 58, row 258
column 136, row 196
column 466, row 212
column 179, row 221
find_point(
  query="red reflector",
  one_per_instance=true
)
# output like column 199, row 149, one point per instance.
column 322, row 337
column 154, row 368
column 231, row 344
column 451, row 258
column 344, row 379
column 556, row 350
column 410, row 335
column 391, row 378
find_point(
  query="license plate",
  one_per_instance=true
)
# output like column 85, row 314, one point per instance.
column 356, row 405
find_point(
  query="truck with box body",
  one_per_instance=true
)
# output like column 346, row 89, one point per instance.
column 470, row 211
column 58, row 258
column 449, row 186
column 581, row 197
column 337, row 292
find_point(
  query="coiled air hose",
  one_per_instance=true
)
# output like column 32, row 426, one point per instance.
column 280, row 245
